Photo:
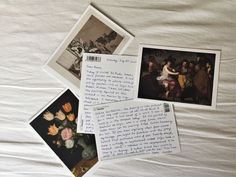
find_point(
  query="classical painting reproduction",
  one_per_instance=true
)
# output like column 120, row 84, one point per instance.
column 94, row 37
column 178, row 75
column 56, row 125
column 93, row 33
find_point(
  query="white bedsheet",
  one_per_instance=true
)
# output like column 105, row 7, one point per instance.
column 30, row 31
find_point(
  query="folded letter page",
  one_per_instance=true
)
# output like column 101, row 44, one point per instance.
column 133, row 127
column 105, row 78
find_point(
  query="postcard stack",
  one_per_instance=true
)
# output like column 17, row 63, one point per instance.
column 118, row 106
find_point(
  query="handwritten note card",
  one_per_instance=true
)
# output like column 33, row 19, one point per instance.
column 134, row 127
column 105, row 78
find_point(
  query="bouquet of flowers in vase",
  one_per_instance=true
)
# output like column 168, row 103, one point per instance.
column 63, row 129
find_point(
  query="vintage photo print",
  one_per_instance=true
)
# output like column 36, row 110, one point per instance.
column 94, row 37
column 56, row 125
column 183, row 76
column 94, row 33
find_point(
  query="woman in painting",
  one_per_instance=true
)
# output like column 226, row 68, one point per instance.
column 168, row 81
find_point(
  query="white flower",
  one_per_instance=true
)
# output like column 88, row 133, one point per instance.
column 60, row 115
column 69, row 144
column 48, row 116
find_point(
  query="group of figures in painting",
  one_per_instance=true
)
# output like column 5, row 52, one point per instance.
column 177, row 76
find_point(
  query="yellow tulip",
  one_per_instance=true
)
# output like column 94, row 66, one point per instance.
column 52, row 130
column 71, row 117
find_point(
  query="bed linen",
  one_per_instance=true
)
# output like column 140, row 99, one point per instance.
column 32, row 30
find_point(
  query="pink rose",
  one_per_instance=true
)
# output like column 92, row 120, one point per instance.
column 66, row 133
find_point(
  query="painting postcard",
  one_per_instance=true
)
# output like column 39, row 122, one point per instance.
column 183, row 76
column 93, row 33
column 56, row 125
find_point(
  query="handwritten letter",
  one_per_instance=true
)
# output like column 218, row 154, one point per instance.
column 105, row 78
column 133, row 127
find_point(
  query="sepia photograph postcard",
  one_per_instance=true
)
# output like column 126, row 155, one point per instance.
column 183, row 76
column 56, row 126
column 93, row 33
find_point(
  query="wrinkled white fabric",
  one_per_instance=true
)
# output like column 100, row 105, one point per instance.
column 30, row 31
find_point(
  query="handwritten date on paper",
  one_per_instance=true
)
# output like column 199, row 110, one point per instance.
column 143, row 129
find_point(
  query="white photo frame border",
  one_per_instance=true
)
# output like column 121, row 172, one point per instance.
column 53, row 154
column 217, row 53
column 67, row 78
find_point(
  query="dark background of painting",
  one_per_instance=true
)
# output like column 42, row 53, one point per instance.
column 162, row 54
column 70, row 158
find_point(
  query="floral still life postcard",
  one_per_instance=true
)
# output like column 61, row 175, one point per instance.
column 56, row 125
